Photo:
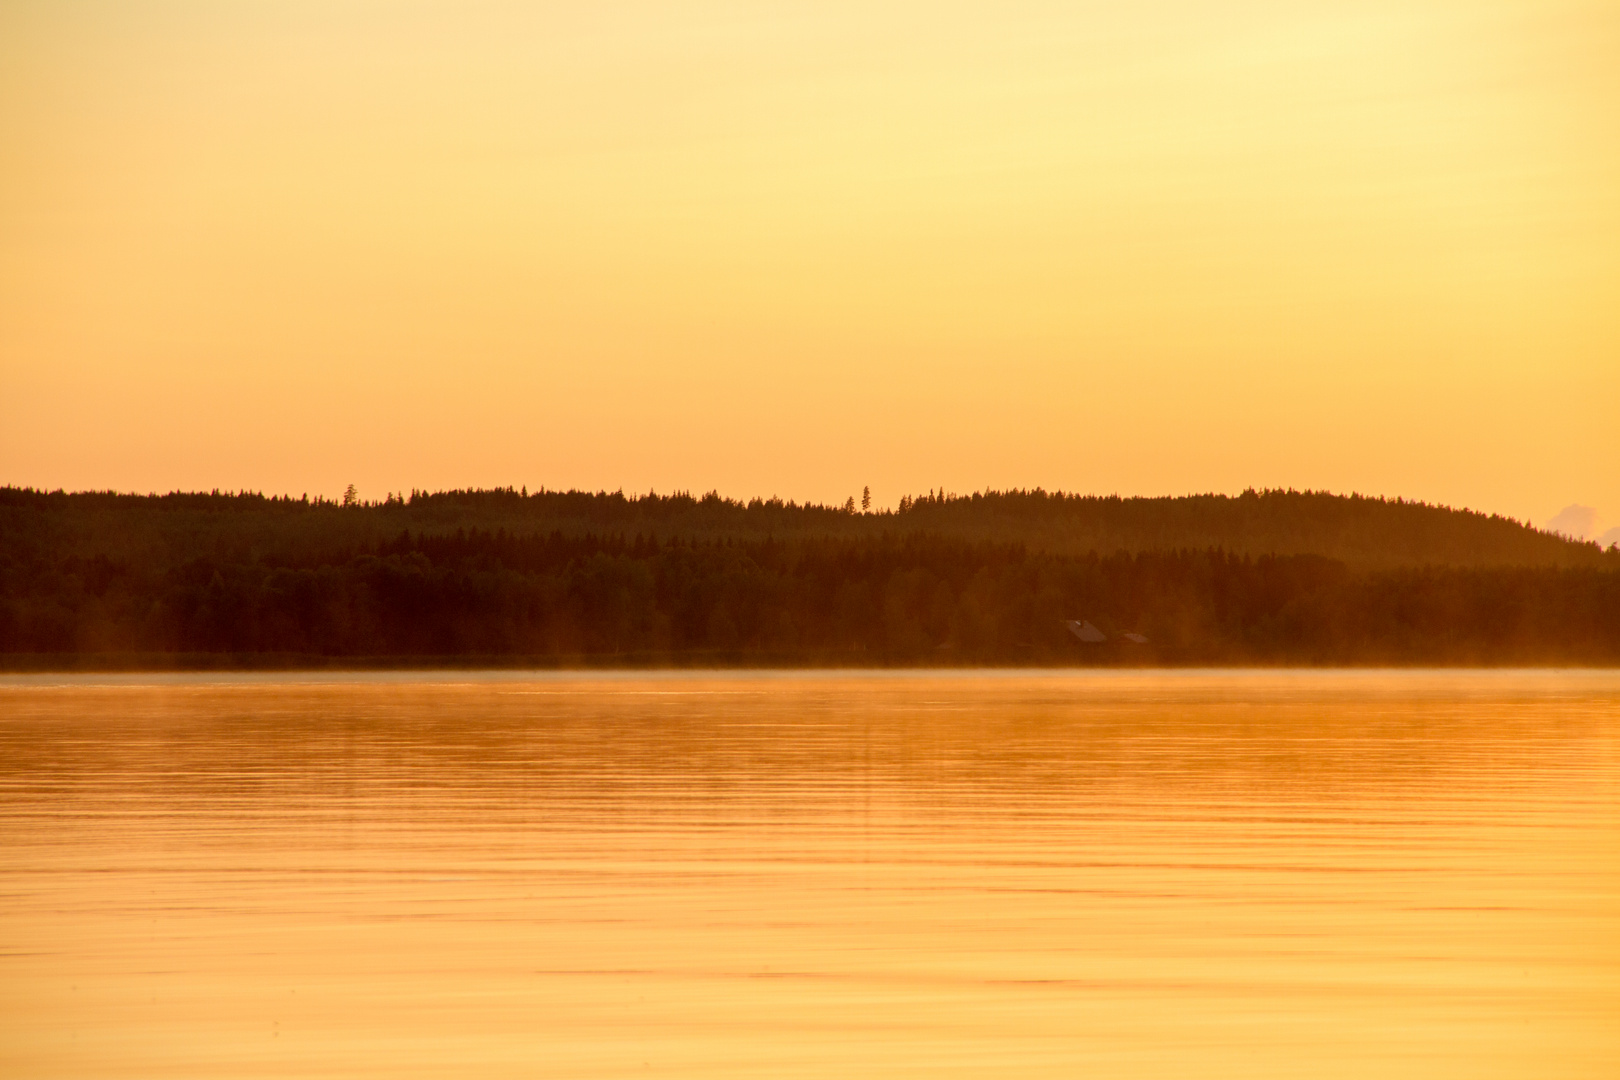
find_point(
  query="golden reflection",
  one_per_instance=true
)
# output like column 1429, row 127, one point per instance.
column 811, row 875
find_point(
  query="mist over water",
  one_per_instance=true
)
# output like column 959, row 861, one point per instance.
column 805, row 875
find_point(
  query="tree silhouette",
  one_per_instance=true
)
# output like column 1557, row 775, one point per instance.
column 558, row 577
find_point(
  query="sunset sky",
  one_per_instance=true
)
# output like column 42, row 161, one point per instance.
column 796, row 248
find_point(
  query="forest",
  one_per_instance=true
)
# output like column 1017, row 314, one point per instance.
column 564, row 578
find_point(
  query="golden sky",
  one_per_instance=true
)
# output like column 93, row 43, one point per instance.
column 775, row 247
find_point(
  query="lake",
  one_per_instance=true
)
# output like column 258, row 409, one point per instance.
column 1003, row 874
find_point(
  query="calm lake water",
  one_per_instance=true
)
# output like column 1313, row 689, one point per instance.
column 811, row 875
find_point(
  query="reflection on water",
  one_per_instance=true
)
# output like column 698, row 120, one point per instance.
column 1183, row 875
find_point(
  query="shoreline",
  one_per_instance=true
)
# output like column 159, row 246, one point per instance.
column 237, row 664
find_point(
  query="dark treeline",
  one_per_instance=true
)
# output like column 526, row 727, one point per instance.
column 248, row 580
column 1363, row 532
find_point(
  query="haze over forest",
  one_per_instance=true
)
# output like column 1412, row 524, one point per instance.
column 507, row 576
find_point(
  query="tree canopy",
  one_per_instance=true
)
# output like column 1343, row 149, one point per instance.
column 992, row 578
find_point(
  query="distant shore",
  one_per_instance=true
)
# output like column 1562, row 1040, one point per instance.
column 104, row 664
column 101, row 581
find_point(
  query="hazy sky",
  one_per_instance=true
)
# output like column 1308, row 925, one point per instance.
column 771, row 247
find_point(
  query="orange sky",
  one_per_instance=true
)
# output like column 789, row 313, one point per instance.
column 796, row 248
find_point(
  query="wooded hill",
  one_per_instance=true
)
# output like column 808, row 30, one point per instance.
column 571, row 577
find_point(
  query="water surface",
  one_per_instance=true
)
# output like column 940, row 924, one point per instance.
column 811, row 875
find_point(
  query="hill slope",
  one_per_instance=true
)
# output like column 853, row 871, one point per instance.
column 1362, row 532
column 1282, row 577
